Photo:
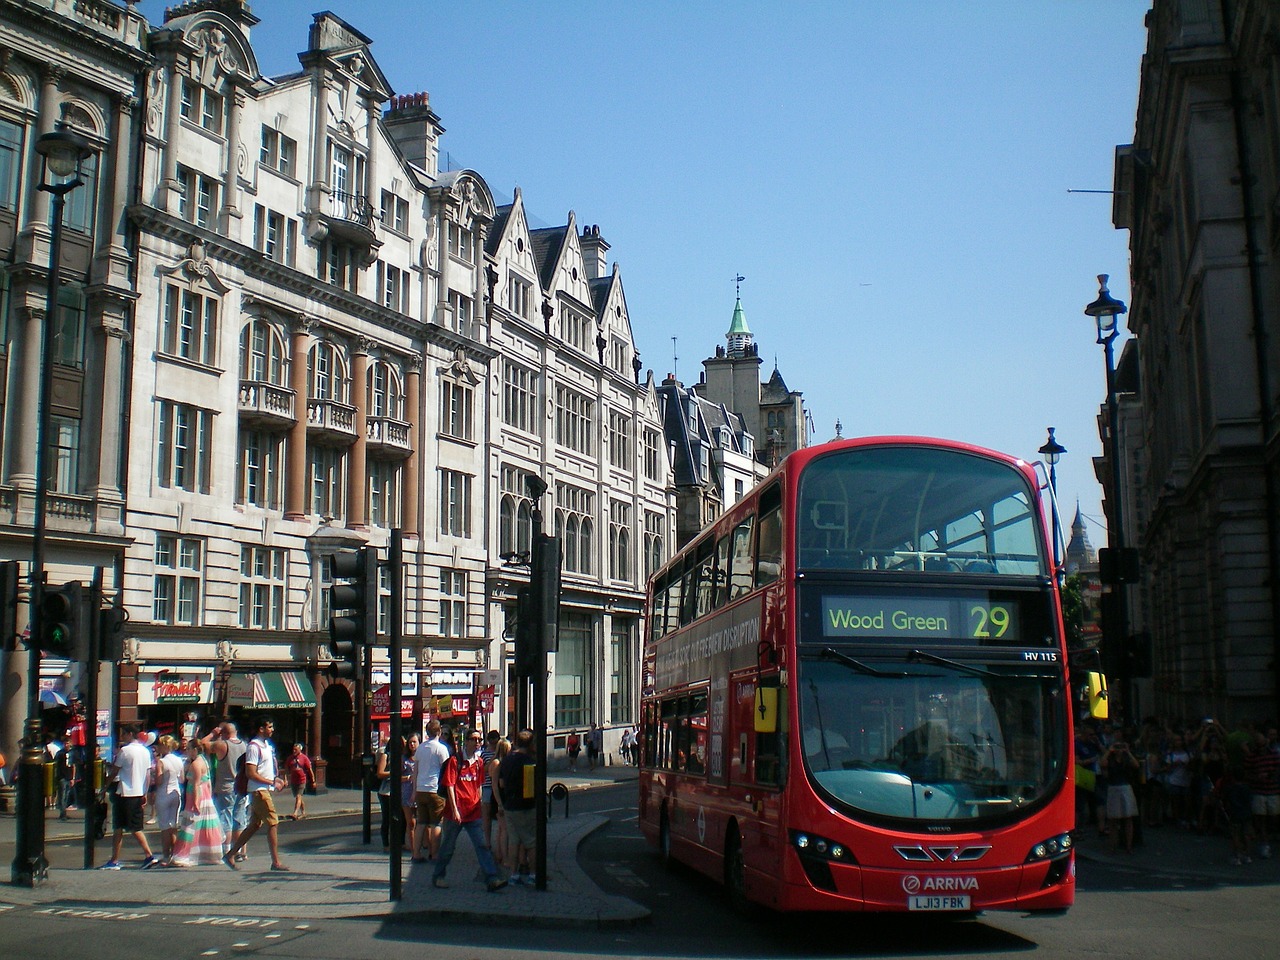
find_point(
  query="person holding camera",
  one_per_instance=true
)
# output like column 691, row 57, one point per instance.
column 1122, row 770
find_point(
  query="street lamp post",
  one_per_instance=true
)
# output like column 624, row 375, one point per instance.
column 63, row 153
column 1104, row 311
column 1052, row 452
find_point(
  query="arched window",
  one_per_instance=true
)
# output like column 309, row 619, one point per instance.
column 326, row 373
column 385, row 394
column 262, row 353
column 584, row 545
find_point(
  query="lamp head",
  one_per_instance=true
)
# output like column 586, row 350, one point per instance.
column 63, row 152
column 1104, row 310
column 1052, row 450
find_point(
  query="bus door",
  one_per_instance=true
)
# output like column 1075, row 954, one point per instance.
column 757, row 709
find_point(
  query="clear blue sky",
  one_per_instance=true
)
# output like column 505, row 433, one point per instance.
column 891, row 178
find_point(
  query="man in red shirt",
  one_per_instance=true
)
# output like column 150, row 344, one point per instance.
column 461, row 779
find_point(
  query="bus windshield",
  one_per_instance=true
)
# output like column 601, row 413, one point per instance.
column 929, row 740
column 912, row 508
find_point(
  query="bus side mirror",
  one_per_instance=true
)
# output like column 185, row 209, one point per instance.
column 766, row 710
column 1096, row 690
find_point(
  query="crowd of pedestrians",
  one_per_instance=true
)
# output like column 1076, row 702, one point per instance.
column 458, row 782
column 208, row 796
column 1192, row 776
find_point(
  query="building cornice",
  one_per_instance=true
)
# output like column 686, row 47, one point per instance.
column 277, row 275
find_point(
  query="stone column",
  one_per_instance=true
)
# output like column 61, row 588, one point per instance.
column 357, row 479
column 170, row 185
column 24, row 418
column 409, row 493
column 114, row 336
column 51, row 77
column 295, row 494
column 113, row 259
column 230, row 213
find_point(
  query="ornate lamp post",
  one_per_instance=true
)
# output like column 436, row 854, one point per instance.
column 63, row 153
column 1104, row 311
column 1052, row 452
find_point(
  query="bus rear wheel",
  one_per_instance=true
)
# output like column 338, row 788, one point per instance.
column 735, row 873
column 664, row 840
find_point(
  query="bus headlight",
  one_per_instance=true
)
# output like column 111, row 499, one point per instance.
column 1051, row 848
column 811, row 845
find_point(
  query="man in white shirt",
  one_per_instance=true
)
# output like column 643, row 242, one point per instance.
column 427, row 762
column 131, row 772
column 264, row 779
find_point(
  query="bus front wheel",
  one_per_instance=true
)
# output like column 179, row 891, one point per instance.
column 735, row 872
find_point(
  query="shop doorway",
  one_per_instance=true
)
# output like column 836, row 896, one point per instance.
column 337, row 737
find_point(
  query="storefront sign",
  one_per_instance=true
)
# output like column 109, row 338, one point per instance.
column 381, row 703
column 166, row 685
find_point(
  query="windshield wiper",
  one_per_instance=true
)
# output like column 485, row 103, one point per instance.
column 831, row 654
column 917, row 655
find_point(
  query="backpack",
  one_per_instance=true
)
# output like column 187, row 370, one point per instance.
column 241, row 785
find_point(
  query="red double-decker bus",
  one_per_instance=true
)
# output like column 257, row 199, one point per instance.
column 855, row 688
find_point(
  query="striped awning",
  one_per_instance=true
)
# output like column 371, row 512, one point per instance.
column 281, row 689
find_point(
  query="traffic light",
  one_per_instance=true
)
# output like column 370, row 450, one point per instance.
column 527, row 647
column 546, row 581
column 352, row 631
column 111, row 623
column 62, row 631
column 8, row 605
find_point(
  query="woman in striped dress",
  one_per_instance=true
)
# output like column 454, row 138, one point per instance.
column 200, row 838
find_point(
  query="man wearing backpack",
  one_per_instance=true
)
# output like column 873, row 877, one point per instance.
column 224, row 744
column 515, row 786
column 264, row 779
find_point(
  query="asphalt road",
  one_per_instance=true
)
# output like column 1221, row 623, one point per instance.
column 1119, row 913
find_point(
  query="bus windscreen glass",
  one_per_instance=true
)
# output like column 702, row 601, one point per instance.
column 917, row 509
column 923, row 742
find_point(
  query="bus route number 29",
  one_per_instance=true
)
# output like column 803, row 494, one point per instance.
column 990, row 622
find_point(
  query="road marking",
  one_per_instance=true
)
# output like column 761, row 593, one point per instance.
column 86, row 913
column 624, row 876
column 232, row 921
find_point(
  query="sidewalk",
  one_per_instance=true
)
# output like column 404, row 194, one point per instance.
column 337, row 876
column 1180, row 855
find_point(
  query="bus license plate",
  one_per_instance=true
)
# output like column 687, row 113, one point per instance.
column 956, row 902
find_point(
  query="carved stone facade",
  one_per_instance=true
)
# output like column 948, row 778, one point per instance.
column 298, row 334
column 1200, row 430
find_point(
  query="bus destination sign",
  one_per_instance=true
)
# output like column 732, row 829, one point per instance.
column 976, row 618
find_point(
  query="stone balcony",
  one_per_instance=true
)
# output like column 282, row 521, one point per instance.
column 266, row 405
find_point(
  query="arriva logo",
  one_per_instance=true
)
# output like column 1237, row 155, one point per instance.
column 914, row 884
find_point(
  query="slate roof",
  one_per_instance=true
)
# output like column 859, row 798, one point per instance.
column 494, row 237
column 547, row 243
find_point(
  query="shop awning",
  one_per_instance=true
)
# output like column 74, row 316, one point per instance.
column 281, row 690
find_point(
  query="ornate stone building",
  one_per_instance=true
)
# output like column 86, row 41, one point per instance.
column 74, row 67
column 1197, row 191
column 297, row 333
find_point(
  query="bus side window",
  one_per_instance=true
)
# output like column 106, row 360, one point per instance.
column 721, row 592
column 665, row 748
column 769, row 557
column 706, row 583
column 740, row 571
column 689, row 590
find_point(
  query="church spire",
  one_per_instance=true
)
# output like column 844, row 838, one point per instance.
column 739, row 336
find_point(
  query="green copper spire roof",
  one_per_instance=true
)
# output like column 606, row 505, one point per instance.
column 739, row 325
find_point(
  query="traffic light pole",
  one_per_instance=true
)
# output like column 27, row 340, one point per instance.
column 89, row 697
column 29, row 863
column 539, row 694
column 395, row 640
